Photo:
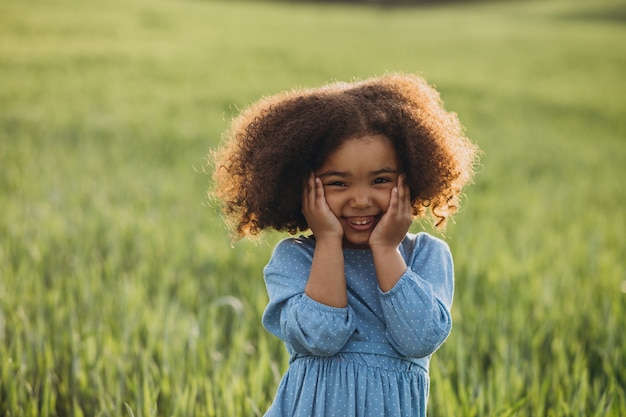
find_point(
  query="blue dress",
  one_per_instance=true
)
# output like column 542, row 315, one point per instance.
column 370, row 358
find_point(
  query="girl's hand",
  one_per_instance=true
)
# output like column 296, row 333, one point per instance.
column 395, row 222
column 319, row 217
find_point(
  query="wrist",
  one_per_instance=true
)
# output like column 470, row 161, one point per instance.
column 383, row 250
column 390, row 266
column 328, row 239
column 327, row 283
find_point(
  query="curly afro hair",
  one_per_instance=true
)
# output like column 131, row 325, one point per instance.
column 274, row 144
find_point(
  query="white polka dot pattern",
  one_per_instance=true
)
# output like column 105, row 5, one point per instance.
column 370, row 358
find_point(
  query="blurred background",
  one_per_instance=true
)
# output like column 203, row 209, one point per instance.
column 121, row 292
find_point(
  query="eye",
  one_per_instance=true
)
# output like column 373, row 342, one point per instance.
column 382, row 180
column 340, row 184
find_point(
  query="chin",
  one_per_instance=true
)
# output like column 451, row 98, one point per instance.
column 356, row 244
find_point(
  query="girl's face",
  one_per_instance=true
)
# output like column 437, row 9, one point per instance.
column 358, row 178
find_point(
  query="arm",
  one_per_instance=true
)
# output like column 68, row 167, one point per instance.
column 417, row 308
column 387, row 236
column 305, row 325
column 416, row 298
column 309, row 309
column 327, row 280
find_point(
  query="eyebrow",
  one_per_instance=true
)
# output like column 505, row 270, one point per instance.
column 333, row 174
column 343, row 174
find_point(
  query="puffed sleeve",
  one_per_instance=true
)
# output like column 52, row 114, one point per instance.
column 305, row 325
column 417, row 308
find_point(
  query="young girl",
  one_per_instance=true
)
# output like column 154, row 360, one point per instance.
column 360, row 303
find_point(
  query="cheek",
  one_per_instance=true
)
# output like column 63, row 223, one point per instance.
column 334, row 202
column 383, row 198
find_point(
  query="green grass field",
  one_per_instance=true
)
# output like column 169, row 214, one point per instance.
column 120, row 292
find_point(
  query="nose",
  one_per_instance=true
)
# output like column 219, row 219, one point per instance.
column 360, row 199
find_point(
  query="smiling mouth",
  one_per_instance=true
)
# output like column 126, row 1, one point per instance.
column 360, row 222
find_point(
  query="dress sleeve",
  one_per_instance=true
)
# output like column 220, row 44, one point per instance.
column 305, row 325
column 417, row 308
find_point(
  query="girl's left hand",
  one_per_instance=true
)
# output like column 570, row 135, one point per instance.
column 395, row 222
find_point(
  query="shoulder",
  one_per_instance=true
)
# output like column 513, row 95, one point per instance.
column 421, row 246
column 420, row 241
column 300, row 244
column 292, row 250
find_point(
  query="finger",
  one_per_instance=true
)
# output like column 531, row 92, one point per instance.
column 307, row 189
column 406, row 210
column 394, row 199
column 404, row 194
column 320, row 198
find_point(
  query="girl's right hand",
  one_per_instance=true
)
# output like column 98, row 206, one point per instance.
column 323, row 223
